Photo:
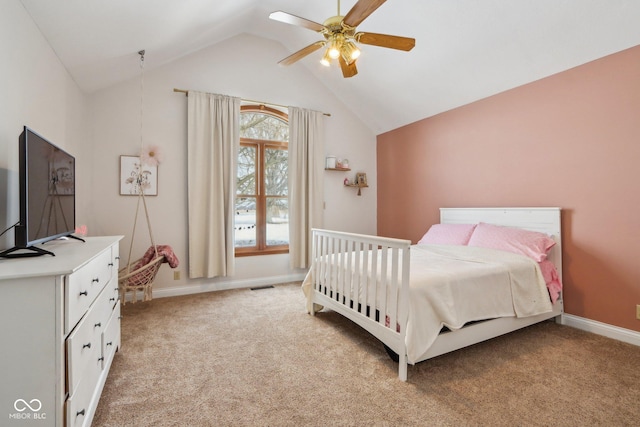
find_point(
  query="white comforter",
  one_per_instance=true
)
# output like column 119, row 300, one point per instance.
column 453, row 285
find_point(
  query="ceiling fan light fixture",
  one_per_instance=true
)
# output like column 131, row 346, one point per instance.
column 326, row 59
column 350, row 51
column 334, row 48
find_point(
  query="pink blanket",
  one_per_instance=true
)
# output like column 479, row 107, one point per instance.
column 163, row 250
column 552, row 279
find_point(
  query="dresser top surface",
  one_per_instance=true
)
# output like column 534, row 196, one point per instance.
column 70, row 255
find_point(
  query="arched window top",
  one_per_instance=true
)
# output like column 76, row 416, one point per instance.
column 263, row 123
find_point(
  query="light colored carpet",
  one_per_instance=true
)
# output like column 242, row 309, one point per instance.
column 255, row 358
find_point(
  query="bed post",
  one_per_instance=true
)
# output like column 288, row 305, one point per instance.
column 403, row 315
column 402, row 367
column 314, row 256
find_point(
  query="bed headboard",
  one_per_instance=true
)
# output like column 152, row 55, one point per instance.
column 543, row 220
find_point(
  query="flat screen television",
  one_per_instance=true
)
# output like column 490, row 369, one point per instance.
column 47, row 194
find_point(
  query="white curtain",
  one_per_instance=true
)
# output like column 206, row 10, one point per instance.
column 306, row 182
column 213, row 139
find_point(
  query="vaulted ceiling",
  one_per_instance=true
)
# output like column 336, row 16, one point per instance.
column 465, row 49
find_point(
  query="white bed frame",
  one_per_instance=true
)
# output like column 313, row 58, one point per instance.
column 392, row 295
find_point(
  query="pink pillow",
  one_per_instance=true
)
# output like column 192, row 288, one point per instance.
column 447, row 234
column 530, row 243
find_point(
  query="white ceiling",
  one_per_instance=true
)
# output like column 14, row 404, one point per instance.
column 465, row 49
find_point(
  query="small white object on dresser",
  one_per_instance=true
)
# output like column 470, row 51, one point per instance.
column 59, row 329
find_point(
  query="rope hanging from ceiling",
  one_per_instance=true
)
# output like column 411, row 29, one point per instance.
column 140, row 274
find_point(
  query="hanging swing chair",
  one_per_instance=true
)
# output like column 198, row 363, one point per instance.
column 139, row 275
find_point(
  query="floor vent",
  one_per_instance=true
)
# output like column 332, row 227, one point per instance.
column 258, row 288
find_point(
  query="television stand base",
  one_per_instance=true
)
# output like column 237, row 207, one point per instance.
column 35, row 251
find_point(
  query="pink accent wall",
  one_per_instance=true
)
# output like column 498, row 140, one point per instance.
column 570, row 140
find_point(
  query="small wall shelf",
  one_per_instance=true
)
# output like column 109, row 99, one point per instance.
column 358, row 186
column 338, row 169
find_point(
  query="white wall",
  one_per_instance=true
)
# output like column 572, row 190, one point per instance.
column 244, row 66
column 37, row 91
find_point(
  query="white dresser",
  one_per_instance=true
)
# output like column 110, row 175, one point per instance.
column 59, row 331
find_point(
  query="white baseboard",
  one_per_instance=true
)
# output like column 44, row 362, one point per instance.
column 615, row 332
column 224, row 285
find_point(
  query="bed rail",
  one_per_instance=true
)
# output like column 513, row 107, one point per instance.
column 366, row 281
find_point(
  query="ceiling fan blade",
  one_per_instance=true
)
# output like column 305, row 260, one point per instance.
column 288, row 18
column 360, row 11
column 301, row 53
column 348, row 70
column 385, row 40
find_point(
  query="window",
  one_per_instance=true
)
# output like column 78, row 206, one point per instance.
column 262, row 206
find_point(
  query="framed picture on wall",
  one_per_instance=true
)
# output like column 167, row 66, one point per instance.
column 136, row 177
column 361, row 179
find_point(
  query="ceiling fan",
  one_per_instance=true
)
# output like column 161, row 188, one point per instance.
column 341, row 38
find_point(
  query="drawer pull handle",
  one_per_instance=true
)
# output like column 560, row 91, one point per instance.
column 110, row 343
column 112, row 299
column 110, row 264
column 96, row 280
column 100, row 359
column 87, row 345
column 97, row 325
column 80, row 413
column 84, row 293
column 117, row 257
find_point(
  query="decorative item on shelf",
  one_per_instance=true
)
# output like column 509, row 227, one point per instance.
column 330, row 162
column 360, row 182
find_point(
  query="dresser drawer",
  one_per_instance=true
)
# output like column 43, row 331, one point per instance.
column 115, row 256
column 111, row 336
column 79, row 406
column 115, row 291
column 105, row 302
column 84, row 285
column 84, row 348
